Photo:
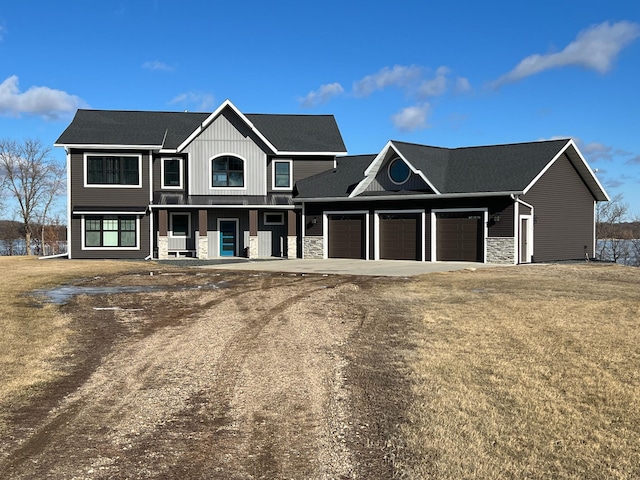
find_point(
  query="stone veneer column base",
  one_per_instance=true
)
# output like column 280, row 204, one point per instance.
column 203, row 248
column 500, row 250
column 253, row 246
column 292, row 247
column 313, row 247
column 163, row 248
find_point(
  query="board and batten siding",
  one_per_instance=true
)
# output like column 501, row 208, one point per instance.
column 226, row 135
column 563, row 214
column 107, row 196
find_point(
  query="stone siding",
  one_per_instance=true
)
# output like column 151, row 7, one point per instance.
column 203, row 248
column 163, row 248
column 500, row 250
column 313, row 247
column 292, row 247
column 253, row 246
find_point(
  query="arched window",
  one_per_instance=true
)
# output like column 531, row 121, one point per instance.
column 227, row 171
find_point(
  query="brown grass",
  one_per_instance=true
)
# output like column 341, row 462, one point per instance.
column 32, row 338
column 526, row 372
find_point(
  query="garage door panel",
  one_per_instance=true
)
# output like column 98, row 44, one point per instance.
column 399, row 237
column 460, row 239
column 346, row 236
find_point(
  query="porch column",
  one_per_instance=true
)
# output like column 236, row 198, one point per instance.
column 203, row 238
column 292, row 237
column 253, row 233
column 163, row 240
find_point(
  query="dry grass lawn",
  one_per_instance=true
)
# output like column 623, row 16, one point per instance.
column 526, row 372
column 32, row 339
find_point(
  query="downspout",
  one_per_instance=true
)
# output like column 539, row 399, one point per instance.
column 68, row 152
column 151, row 226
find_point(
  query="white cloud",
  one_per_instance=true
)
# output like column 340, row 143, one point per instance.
column 594, row 48
column 436, row 86
column 157, row 65
column 412, row 118
column 322, row 95
column 397, row 76
column 462, row 85
column 201, row 101
column 43, row 101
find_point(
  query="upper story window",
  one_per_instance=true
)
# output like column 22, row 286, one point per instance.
column 281, row 174
column 227, row 171
column 113, row 170
column 171, row 170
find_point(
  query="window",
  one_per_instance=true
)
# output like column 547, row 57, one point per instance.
column 171, row 173
column 398, row 171
column 113, row 170
column 110, row 231
column 180, row 225
column 227, row 171
column 273, row 218
column 282, row 174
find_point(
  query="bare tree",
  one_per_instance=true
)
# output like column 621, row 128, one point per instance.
column 612, row 244
column 32, row 178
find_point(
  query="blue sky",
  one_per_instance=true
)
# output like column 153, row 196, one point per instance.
column 439, row 73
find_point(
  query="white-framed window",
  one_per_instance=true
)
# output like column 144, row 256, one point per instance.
column 273, row 218
column 107, row 170
column 281, row 174
column 228, row 171
column 110, row 232
column 171, row 173
column 180, row 225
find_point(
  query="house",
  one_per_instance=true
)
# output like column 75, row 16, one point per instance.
column 169, row 184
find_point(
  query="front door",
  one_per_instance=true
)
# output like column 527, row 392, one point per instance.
column 228, row 238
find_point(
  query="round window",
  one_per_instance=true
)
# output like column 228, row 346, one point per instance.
column 398, row 171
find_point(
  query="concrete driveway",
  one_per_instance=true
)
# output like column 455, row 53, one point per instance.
column 385, row 268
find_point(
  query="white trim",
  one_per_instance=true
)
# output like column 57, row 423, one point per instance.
column 421, row 196
column 461, row 210
column 373, row 168
column 181, row 162
column 303, row 219
column 85, row 155
column 280, row 222
column 237, row 245
column 68, row 201
column 325, row 229
column 244, row 172
column 82, row 234
column 103, row 146
column 150, row 176
column 170, row 229
column 516, row 232
column 109, row 212
column 583, row 164
column 376, row 230
column 273, row 174
column 222, row 205
column 214, row 115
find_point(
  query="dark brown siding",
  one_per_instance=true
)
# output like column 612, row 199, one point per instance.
column 303, row 167
column 157, row 173
column 563, row 214
column 78, row 253
column 111, row 197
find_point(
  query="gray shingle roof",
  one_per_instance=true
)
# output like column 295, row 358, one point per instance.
column 338, row 182
column 300, row 133
column 491, row 169
column 290, row 133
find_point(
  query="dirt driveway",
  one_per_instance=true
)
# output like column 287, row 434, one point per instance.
column 230, row 375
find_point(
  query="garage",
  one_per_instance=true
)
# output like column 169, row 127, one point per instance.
column 399, row 235
column 459, row 237
column 346, row 236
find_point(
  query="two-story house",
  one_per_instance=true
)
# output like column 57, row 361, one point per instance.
column 145, row 184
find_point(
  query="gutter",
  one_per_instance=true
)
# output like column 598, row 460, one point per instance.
column 406, row 197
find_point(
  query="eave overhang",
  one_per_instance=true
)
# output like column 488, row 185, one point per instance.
column 430, row 196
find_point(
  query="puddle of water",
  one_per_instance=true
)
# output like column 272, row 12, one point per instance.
column 61, row 295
